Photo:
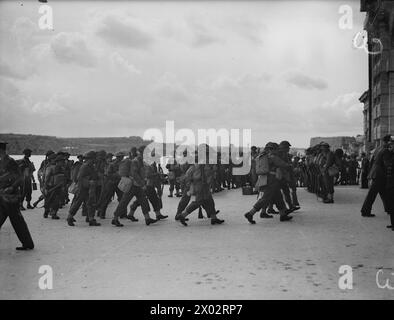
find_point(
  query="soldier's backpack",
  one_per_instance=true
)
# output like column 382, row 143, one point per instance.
column 262, row 164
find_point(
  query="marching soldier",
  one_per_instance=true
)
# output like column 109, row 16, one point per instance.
column 130, row 168
column 152, row 179
column 55, row 181
column 41, row 177
column 87, row 184
column 199, row 178
column 173, row 178
column 10, row 198
column 272, row 190
column 111, row 182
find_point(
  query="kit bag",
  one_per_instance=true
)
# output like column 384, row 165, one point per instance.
column 125, row 184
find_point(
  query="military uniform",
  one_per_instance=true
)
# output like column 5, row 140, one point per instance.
column 27, row 169
column 272, row 190
column 87, row 183
column 10, row 183
column 198, row 179
column 131, row 168
column 110, row 186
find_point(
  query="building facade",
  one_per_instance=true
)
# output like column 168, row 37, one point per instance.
column 378, row 100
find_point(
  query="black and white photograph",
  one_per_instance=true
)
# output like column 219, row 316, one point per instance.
column 210, row 151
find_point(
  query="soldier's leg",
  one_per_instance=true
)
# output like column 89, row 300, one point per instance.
column 108, row 192
column 182, row 204
column 286, row 193
column 155, row 201
column 172, row 187
column 177, row 188
column 121, row 208
column 370, row 198
column 80, row 198
column 143, row 200
column 18, row 223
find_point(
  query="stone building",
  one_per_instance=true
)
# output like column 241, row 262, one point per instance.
column 378, row 100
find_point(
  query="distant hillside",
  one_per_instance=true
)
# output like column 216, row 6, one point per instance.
column 75, row 146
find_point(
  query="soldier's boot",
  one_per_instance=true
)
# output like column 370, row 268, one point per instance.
column 116, row 222
column 70, row 220
column 54, row 215
column 46, row 213
column 29, row 206
column 22, row 208
column 178, row 194
column 284, row 215
column 182, row 218
column 170, row 195
column 159, row 216
column 130, row 216
column 329, row 198
column 249, row 216
column 200, row 215
column 149, row 220
column 215, row 220
column 93, row 223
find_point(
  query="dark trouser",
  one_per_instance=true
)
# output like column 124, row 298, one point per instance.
column 109, row 189
column 52, row 201
column 152, row 197
column 87, row 196
column 208, row 204
column 27, row 190
column 12, row 211
column 390, row 204
column 174, row 185
column 364, row 180
column 121, row 209
column 271, row 194
column 377, row 186
column 286, row 193
column 328, row 184
column 183, row 202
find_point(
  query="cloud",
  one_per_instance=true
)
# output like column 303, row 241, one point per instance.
column 304, row 81
column 122, row 31
column 53, row 106
column 118, row 62
column 13, row 72
column 343, row 114
column 249, row 28
column 201, row 35
column 71, row 47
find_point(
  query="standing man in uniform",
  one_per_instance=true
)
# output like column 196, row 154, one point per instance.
column 27, row 168
column 10, row 183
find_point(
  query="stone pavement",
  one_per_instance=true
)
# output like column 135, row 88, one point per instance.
column 270, row 260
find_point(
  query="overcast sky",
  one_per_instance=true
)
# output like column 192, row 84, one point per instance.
column 283, row 69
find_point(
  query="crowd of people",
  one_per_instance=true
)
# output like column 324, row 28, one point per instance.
column 97, row 178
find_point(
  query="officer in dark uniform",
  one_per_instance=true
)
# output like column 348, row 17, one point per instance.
column 10, row 183
column 377, row 179
column 27, row 168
